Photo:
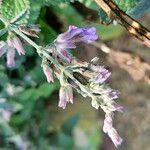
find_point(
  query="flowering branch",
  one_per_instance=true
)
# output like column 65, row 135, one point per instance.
column 87, row 78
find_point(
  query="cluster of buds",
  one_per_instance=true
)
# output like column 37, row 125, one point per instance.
column 14, row 44
column 9, row 48
column 88, row 79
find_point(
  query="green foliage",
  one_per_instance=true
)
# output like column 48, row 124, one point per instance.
column 127, row 5
column 35, row 7
column 12, row 8
column 54, row 2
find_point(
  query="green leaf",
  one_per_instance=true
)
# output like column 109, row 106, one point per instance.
column 5, row 129
column 29, row 97
column 35, row 7
column 89, row 3
column 11, row 8
column 54, row 2
column 34, row 94
column 46, row 89
column 20, row 16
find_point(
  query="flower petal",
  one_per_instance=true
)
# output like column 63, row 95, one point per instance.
column 48, row 73
column 18, row 45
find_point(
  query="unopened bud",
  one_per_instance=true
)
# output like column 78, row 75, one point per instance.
column 116, row 139
column 102, row 76
column 48, row 73
column 18, row 45
column 107, row 123
column 65, row 95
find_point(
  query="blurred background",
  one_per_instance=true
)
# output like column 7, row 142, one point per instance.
column 29, row 116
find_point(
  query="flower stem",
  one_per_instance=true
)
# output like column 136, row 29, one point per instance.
column 41, row 50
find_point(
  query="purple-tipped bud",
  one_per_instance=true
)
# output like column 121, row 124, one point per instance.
column 115, row 107
column 116, row 139
column 75, row 34
column 18, row 45
column 48, row 73
column 11, row 57
column 114, row 94
column 65, row 95
column 102, row 76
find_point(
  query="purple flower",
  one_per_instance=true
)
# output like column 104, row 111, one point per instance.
column 75, row 34
column 48, row 73
column 65, row 95
column 71, row 37
column 114, row 94
column 102, row 75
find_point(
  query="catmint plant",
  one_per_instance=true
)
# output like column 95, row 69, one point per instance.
column 87, row 78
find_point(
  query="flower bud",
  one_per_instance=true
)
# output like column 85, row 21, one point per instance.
column 18, row 45
column 102, row 76
column 65, row 95
column 114, row 94
column 116, row 139
column 107, row 123
column 70, row 94
column 48, row 73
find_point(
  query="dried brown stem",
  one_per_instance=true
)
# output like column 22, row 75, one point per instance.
column 133, row 27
